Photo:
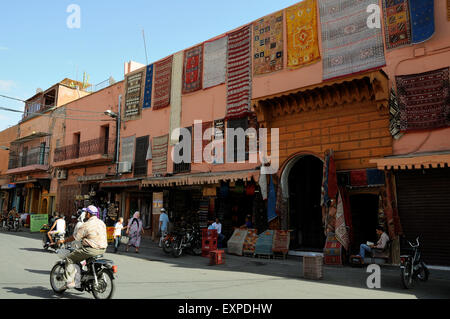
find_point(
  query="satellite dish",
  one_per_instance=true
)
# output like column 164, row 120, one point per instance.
column 39, row 90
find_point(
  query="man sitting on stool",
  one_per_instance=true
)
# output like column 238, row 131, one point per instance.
column 381, row 244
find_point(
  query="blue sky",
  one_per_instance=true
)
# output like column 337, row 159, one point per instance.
column 37, row 49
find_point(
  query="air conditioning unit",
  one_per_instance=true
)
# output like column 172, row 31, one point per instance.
column 124, row 167
column 61, row 174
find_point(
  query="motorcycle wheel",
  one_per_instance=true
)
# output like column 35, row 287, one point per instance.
column 197, row 249
column 167, row 248
column 106, row 287
column 424, row 273
column 176, row 250
column 407, row 277
column 57, row 280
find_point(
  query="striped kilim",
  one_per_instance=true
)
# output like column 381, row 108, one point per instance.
column 162, row 83
column 239, row 73
column 396, row 23
column 349, row 45
column 159, row 152
column 193, row 69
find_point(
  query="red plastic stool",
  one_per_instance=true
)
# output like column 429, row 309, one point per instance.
column 217, row 257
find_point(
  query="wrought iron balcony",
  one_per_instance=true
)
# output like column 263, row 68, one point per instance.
column 99, row 146
column 34, row 156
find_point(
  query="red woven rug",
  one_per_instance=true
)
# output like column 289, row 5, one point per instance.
column 239, row 73
column 193, row 69
column 424, row 100
column 162, row 83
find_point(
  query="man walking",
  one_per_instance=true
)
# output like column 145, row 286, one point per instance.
column 163, row 225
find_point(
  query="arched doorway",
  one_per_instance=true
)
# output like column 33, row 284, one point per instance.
column 303, row 179
column 44, row 207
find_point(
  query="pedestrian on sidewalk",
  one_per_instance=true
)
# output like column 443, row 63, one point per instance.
column 135, row 231
column 163, row 225
column 118, row 227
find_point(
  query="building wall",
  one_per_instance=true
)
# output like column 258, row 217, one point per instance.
column 67, row 94
column 6, row 137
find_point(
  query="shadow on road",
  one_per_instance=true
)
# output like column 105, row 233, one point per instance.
column 40, row 272
column 41, row 292
column 37, row 250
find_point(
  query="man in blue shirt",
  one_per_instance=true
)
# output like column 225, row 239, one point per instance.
column 163, row 225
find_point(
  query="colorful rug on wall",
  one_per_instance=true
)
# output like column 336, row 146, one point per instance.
column 268, row 44
column 134, row 94
column 422, row 19
column 148, row 87
column 159, row 152
column 215, row 62
column 397, row 25
column 341, row 226
column 448, row 10
column 424, row 100
column 193, row 69
column 162, row 82
column 175, row 97
column 302, row 34
column 127, row 153
column 239, row 73
column 349, row 46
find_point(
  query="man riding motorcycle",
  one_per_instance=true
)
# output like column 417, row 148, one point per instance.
column 92, row 235
column 60, row 225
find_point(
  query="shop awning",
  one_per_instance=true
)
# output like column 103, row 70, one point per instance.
column 202, row 178
column 414, row 161
column 126, row 182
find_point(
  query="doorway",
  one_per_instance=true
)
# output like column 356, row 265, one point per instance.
column 364, row 208
column 305, row 211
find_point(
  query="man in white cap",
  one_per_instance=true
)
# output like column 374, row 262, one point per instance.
column 163, row 225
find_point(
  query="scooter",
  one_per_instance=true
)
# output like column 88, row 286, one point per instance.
column 46, row 241
column 412, row 267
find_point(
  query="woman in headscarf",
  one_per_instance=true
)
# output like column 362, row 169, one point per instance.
column 135, row 230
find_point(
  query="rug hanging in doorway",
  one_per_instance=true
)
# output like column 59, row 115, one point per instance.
column 281, row 240
column 302, row 34
column 193, row 69
column 215, row 62
column 163, row 75
column 239, row 73
column 341, row 226
column 397, row 25
column 175, row 98
column 268, row 44
column 332, row 253
column 424, row 100
column 422, row 20
column 159, row 161
column 148, row 87
column 349, row 46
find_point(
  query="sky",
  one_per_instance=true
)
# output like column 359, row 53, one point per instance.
column 38, row 49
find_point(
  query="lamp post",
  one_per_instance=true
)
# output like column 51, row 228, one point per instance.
column 117, row 117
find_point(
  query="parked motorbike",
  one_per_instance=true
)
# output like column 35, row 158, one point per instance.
column 412, row 267
column 167, row 242
column 46, row 241
column 11, row 224
column 190, row 239
column 95, row 275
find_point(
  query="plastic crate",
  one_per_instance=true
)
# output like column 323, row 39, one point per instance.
column 216, row 257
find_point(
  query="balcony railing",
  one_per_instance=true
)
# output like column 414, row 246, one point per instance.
column 99, row 146
column 35, row 156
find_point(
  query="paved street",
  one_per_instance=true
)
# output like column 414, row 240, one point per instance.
column 25, row 268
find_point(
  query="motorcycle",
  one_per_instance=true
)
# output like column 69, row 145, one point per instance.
column 190, row 239
column 412, row 267
column 12, row 224
column 167, row 242
column 95, row 275
column 46, row 241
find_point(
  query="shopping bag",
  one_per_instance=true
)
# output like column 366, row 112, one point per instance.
column 124, row 240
